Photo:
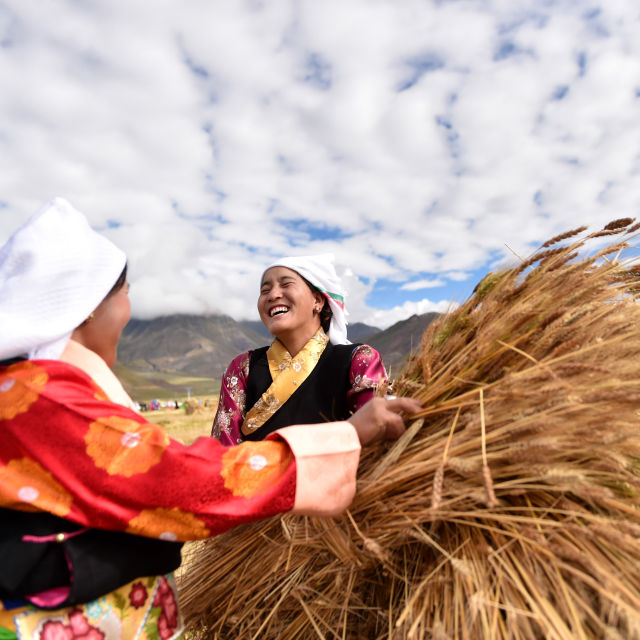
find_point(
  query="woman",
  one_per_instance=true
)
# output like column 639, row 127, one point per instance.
column 95, row 501
column 311, row 373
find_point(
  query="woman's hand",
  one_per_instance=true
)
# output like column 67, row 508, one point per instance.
column 379, row 419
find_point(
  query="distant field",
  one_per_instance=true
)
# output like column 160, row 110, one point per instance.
column 143, row 386
column 181, row 426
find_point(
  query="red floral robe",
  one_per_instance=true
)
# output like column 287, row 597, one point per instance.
column 68, row 450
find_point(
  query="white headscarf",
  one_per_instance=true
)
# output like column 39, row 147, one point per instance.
column 320, row 271
column 54, row 271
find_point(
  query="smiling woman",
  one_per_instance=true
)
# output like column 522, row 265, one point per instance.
column 289, row 307
column 311, row 373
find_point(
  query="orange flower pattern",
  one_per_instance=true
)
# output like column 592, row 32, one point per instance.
column 99, row 393
column 252, row 468
column 168, row 524
column 25, row 485
column 125, row 447
column 99, row 464
column 20, row 387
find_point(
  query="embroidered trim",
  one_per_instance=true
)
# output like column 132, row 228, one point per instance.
column 287, row 373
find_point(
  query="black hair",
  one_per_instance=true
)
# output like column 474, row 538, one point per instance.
column 120, row 282
column 325, row 313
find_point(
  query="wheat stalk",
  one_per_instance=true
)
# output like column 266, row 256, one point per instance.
column 530, row 393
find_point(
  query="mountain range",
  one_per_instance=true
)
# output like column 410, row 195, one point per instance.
column 179, row 351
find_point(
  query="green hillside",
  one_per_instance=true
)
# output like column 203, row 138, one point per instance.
column 171, row 357
column 143, row 386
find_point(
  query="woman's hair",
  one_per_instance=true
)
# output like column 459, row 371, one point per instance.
column 325, row 313
column 119, row 283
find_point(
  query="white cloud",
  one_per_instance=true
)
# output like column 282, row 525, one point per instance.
column 416, row 285
column 193, row 126
column 457, row 276
column 384, row 318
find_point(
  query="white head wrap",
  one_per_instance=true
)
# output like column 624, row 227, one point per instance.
column 54, row 271
column 320, row 271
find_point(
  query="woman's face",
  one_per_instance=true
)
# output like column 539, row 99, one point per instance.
column 102, row 333
column 286, row 304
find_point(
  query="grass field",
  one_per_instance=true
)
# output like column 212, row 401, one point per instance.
column 144, row 386
column 183, row 427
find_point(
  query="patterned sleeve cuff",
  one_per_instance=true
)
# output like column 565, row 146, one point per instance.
column 327, row 457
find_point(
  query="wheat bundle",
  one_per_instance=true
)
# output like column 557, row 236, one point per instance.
column 191, row 406
column 509, row 509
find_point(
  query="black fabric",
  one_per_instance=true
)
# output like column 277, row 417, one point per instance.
column 322, row 397
column 6, row 363
column 101, row 560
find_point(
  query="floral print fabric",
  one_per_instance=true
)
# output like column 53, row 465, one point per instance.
column 366, row 373
column 145, row 609
column 247, row 472
column 99, row 464
column 20, row 390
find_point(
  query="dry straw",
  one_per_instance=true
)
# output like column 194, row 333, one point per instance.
column 509, row 510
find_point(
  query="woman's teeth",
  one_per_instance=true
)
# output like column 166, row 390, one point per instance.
column 277, row 311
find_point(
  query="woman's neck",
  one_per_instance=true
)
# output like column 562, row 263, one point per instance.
column 295, row 341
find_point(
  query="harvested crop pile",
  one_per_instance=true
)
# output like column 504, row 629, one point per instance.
column 192, row 406
column 510, row 509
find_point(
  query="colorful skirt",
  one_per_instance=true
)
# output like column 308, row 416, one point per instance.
column 145, row 609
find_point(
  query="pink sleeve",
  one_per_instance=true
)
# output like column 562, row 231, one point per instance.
column 327, row 457
column 367, row 372
column 230, row 414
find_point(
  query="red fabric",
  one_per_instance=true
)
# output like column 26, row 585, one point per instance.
column 68, row 450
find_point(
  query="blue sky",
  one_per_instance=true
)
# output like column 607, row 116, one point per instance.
column 423, row 142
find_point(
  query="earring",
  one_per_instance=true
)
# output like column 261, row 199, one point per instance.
column 90, row 317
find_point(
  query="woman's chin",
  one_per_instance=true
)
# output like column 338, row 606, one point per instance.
column 278, row 325
column 277, row 331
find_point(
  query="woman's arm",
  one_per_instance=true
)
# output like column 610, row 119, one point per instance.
column 67, row 450
column 366, row 373
column 231, row 405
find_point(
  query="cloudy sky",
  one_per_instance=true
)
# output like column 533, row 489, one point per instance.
column 422, row 142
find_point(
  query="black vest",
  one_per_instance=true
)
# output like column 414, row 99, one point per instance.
column 101, row 560
column 322, row 397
